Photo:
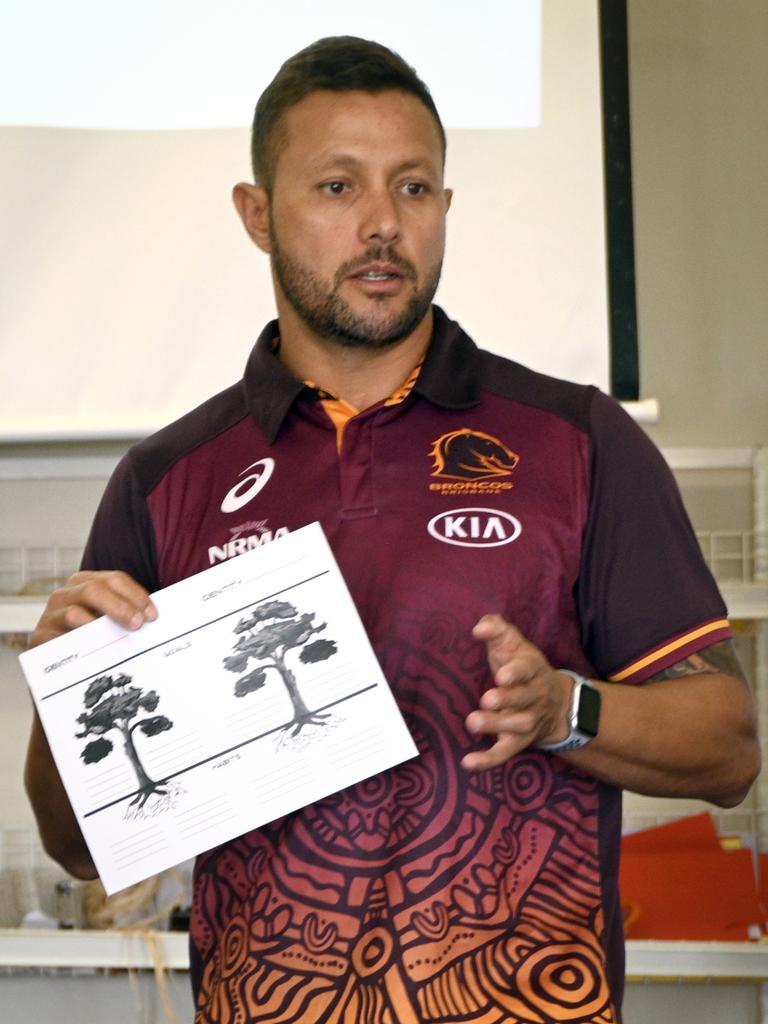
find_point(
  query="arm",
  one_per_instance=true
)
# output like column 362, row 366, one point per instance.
column 688, row 732
column 85, row 597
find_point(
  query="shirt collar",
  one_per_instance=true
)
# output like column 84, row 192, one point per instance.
column 448, row 378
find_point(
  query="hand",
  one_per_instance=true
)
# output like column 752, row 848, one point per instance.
column 529, row 703
column 88, row 595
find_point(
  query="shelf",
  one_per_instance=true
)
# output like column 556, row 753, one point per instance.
column 745, row 600
column 646, row 959
column 37, row 947
column 20, row 614
column 655, row 960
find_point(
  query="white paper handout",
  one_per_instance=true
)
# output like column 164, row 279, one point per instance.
column 254, row 693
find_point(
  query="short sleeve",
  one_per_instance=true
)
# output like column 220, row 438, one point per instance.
column 646, row 596
column 121, row 535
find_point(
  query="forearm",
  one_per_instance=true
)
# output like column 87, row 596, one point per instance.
column 691, row 731
column 59, row 831
column 693, row 736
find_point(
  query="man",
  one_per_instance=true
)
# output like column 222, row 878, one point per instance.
column 504, row 536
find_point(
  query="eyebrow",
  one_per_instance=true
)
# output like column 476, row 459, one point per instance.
column 352, row 162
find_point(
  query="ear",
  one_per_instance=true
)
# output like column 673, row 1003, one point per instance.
column 448, row 192
column 252, row 204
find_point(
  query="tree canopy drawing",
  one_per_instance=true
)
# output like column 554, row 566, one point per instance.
column 112, row 704
column 267, row 634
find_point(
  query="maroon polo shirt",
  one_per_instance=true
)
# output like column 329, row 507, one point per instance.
column 427, row 893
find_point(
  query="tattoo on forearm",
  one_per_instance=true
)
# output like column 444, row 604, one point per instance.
column 720, row 657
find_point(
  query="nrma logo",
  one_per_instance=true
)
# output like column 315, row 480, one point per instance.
column 239, row 545
column 475, row 527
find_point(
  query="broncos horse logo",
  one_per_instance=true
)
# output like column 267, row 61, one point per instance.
column 471, row 455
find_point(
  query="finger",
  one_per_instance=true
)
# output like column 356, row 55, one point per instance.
column 115, row 594
column 523, row 722
column 55, row 623
column 515, row 695
column 503, row 640
column 87, row 596
column 505, row 747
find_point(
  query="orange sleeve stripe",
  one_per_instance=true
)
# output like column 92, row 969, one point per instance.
column 674, row 645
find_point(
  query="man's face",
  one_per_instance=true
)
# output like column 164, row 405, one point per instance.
column 357, row 215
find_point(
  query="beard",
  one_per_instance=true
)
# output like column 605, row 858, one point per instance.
column 325, row 312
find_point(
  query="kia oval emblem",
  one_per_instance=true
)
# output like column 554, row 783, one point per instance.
column 475, row 527
column 247, row 488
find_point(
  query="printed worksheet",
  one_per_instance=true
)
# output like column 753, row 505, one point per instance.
column 254, row 693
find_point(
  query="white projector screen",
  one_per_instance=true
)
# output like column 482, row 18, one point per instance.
column 129, row 292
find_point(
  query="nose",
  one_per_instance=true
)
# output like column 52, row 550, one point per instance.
column 380, row 220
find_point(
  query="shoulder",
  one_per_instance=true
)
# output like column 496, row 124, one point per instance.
column 506, row 378
column 264, row 393
column 608, row 427
column 458, row 374
column 150, row 459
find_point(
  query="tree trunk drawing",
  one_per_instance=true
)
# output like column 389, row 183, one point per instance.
column 266, row 635
column 112, row 704
column 147, row 786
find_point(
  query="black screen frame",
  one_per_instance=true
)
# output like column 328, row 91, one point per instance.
column 619, row 217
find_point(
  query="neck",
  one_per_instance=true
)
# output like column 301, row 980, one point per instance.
column 361, row 376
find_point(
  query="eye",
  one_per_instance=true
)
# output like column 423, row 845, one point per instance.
column 335, row 188
column 414, row 188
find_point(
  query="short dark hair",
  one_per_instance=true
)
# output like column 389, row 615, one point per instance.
column 336, row 63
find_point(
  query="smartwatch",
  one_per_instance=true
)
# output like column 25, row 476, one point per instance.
column 583, row 716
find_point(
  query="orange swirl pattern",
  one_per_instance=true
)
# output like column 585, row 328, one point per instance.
column 425, row 895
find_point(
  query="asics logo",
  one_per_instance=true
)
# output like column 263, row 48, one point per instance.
column 249, row 486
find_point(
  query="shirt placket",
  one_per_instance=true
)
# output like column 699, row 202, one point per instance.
column 356, row 471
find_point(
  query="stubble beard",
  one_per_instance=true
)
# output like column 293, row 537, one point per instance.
column 325, row 312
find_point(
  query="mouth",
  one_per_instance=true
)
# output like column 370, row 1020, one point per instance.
column 378, row 272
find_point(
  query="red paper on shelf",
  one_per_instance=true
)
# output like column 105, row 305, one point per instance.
column 762, row 884
column 696, row 832
column 679, row 883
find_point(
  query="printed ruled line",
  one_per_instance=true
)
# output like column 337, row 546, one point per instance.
column 203, row 817
column 180, row 636
column 212, row 801
column 367, row 745
column 280, row 568
column 282, row 779
column 135, row 837
column 111, row 643
column 108, row 778
column 228, row 750
column 106, row 792
column 147, row 842
column 268, row 702
column 197, row 828
column 157, row 845
column 174, row 754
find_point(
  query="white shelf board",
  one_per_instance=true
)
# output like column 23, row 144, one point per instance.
column 20, row 614
column 38, row 947
column 745, row 600
column 696, row 961
column 646, row 959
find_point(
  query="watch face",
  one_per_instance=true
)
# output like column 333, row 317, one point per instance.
column 589, row 710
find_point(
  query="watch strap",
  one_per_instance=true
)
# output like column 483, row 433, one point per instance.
column 582, row 722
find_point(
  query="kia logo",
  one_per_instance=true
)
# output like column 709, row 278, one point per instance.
column 475, row 527
column 249, row 486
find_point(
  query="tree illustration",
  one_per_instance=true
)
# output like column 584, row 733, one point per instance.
column 112, row 703
column 267, row 635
